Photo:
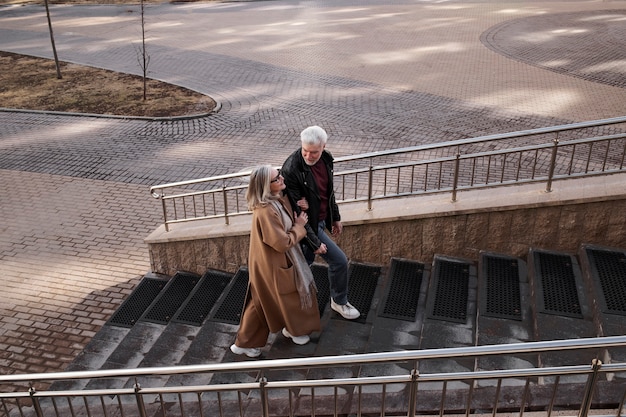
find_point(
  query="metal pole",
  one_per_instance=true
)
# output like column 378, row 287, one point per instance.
column 552, row 163
column 596, row 364
column 225, row 204
column 139, row 398
column 167, row 228
column 264, row 401
column 413, row 392
column 35, row 401
column 457, row 164
column 370, row 186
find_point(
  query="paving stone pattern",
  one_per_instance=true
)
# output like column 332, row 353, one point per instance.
column 74, row 199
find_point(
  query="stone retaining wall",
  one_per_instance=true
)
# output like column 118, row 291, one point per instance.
column 421, row 227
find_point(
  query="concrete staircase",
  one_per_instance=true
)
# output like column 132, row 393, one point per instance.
column 189, row 319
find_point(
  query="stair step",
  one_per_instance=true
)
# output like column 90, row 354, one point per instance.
column 204, row 296
column 402, row 293
column 562, row 309
column 450, row 319
column 504, row 314
column 605, row 273
column 229, row 306
column 139, row 300
column 190, row 319
column 171, row 298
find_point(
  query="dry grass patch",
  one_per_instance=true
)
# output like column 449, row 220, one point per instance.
column 31, row 83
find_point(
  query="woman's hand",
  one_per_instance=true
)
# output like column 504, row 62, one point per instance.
column 301, row 218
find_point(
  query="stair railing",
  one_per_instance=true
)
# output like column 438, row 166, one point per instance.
column 323, row 396
column 535, row 155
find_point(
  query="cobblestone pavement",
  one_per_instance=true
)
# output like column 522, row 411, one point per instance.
column 75, row 204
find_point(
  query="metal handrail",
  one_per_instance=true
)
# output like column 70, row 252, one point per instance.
column 338, row 360
column 142, row 397
column 434, row 168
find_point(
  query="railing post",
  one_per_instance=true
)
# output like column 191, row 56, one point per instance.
column 552, row 163
column 138, row 397
column 264, row 401
column 225, row 204
column 370, row 186
column 413, row 392
column 455, row 184
column 35, row 400
column 596, row 364
column 167, row 227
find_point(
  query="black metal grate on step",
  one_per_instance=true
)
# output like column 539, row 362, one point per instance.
column 203, row 298
column 502, row 287
column 320, row 275
column 610, row 269
column 558, row 284
column 451, row 283
column 171, row 298
column 136, row 304
column 363, row 280
column 403, row 291
column 231, row 304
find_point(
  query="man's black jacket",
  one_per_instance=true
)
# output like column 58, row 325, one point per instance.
column 301, row 183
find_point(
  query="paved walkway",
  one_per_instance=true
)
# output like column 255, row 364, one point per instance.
column 75, row 204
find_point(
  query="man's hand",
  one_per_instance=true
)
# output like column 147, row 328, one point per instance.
column 337, row 228
column 303, row 204
column 321, row 250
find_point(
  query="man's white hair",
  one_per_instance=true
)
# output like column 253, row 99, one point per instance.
column 313, row 135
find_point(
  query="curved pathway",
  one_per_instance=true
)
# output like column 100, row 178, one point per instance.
column 75, row 204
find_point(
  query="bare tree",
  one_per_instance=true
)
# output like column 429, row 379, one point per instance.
column 143, row 57
column 54, row 49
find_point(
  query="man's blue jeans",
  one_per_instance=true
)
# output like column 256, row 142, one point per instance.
column 337, row 266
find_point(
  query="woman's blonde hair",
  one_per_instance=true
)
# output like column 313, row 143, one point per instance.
column 258, row 192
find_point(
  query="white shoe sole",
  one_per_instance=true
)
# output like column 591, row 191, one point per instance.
column 298, row 340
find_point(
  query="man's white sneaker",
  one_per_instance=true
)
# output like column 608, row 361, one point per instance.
column 298, row 340
column 346, row 310
column 249, row 352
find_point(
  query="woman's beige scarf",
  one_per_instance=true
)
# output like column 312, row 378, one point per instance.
column 304, row 276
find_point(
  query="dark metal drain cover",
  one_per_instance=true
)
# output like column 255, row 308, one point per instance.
column 230, row 305
column 203, row 298
column 171, row 298
column 557, row 284
column 363, row 280
column 403, row 291
column 451, row 286
column 609, row 269
column 136, row 304
column 501, row 284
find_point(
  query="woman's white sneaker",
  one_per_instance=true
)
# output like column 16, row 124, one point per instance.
column 298, row 340
column 249, row 352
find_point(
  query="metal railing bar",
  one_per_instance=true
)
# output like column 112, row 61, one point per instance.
column 195, row 193
column 606, row 154
column 480, row 139
column 242, row 174
column 418, row 148
column 589, row 156
column 497, row 398
column 212, row 216
column 524, row 397
column 397, row 356
column 526, row 373
column 553, row 397
column 443, row 398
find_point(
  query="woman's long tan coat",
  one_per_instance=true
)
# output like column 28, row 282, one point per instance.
column 273, row 300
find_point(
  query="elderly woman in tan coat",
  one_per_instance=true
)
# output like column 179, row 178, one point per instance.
column 282, row 293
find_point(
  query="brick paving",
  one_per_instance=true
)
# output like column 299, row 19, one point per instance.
column 75, row 203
